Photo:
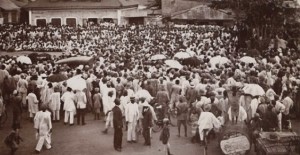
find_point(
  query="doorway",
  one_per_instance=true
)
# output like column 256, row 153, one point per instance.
column 41, row 22
column 92, row 21
column 136, row 20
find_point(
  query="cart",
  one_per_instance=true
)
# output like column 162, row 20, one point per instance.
column 286, row 143
column 235, row 139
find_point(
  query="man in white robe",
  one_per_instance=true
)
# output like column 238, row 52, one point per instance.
column 42, row 84
column 43, row 125
column 207, row 120
column 69, row 106
column 33, row 107
column 131, row 116
column 109, row 115
column 54, row 105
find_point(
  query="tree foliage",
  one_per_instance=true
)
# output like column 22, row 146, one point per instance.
column 264, row 18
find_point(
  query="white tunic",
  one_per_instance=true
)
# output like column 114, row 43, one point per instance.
column 207, row 120
column 32, row 103
column 42, row 122
column 68, row 98
column 54, row 103
column 132, row 112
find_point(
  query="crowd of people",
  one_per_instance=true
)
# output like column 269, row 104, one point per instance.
column 209, row 95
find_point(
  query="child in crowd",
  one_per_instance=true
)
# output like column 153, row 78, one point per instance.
column 165, row 135
column 97, row 103
column 13, row 140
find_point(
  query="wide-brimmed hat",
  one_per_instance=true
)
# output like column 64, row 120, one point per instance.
column 165, row 120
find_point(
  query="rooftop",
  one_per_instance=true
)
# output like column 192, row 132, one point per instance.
column 87, row 4
column 8, row 5
column 203, row 12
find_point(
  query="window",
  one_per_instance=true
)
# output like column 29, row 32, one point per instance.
column 41, row 22
column 71, row 22
column 14, row 17
column 56, row 21
column 5, row 17
column 92, row 21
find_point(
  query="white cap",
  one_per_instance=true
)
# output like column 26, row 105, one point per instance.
column 15, row 92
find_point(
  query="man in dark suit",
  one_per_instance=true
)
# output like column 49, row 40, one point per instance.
column 118, row 125
column 16, row 102
column 147, row 124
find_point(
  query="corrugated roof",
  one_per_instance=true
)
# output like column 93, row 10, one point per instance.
column 19, row 3
column 46, row 4
column 8, row 5
column 203, row 12
column 135, row 2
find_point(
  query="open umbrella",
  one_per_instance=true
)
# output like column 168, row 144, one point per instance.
column 57, row 78
column 192, row 61
column 76, row 83
column 158, row 57
column 253, row 89
column 80, row 60
column 247, row 60
column 173, row 64
column 24, row 59
column 39, row 57
column 218, row 60
column 182, row 55
column 143, row 93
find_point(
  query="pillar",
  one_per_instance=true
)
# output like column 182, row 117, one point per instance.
column 9, row 17
column 30, row 17
column 119, row 14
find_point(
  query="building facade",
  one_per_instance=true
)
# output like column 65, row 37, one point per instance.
column 83, row 12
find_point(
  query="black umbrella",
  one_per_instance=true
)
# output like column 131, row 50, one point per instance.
column 192, row 61
column 57, row 78
column 39, row 57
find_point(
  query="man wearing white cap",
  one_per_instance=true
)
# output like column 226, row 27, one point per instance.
column 131, row 116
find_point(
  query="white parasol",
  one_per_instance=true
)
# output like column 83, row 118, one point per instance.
column 254, row 90
column 173, row 64
column 218, row 60
column 247, row 60
column 76, row 83
column 24, row 59
column 182, row 55
column 143, row 93
column 158, row 57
